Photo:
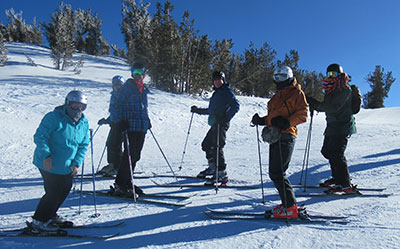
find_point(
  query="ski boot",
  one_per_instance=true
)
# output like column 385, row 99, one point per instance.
column 208, row 171
column 108, row 170
column 327, row 183
column 279, row 212
column 38, row 227
column 222, row 178
column 342, row 190
column 61, row 222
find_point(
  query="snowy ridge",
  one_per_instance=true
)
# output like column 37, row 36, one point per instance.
column 27, row 93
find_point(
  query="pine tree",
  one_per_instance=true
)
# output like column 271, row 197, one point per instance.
column 18, row 31
column 256, row 71
column 3, row 51
column 380, row 84
column 88, row 37
column 221, row 54
column 60, row 35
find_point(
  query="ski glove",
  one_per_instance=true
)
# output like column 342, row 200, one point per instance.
column 313, row 104
column 257, row 120
column 280, row 122
column 194, row 109
column 103, row 121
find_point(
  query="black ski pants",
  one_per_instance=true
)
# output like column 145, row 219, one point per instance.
column 209, row 144
column 136, row 141
column 56, row 189
column 280, row 154
column 333, row 149
column 114, row 145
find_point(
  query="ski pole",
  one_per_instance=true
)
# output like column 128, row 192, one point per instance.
column 104, row 150
column 187, row 138
column 308, row 152
column 93, row 175
column 98, row 126
column 130, row 164
column 101, row 158
column 217, row 161
column 259, row 160
column 162, row 152
column 80, row 193
column 307, row 148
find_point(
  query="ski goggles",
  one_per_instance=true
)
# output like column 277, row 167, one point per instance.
column 332, row 74
column 138, row 71
column 77, row 105
column 279, row 77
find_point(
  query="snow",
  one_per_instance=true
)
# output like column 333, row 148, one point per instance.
column 27, row 93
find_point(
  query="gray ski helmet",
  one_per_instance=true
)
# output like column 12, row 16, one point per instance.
column 271, row 134
column 334, row 68
column 218, row 75
column 76, row 96
column 118, row 80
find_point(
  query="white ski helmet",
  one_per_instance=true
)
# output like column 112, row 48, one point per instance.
column 282, row 73
column 76, row 96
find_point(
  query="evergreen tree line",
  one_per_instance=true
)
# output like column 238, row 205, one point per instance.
column 177, row 57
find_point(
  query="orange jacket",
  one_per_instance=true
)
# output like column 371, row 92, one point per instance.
column 290, row 103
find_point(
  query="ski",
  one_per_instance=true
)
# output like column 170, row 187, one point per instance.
column 311, row 214
column 116, row 224
column 177, row 176
column 195, row 185
column 217, row 216
column 341, row 195
column 362, row 189
column 59, row 233
column 142, row 199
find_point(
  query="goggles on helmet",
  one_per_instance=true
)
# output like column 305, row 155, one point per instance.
column 138, row 71
column 332, row 74
column 279, row 77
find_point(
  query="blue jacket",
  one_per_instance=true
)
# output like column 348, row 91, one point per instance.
column 113, row 113
column 131, row 105
column 65, row 141
column 222, row 103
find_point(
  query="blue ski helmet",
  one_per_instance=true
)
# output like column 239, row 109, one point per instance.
column 118, row 80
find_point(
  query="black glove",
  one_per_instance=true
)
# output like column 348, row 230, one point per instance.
column 221, row 118
column 103, row 121
column 257, row 120
column 280, row 122
column 313, row 104
column 194, row 109
column 123, row 125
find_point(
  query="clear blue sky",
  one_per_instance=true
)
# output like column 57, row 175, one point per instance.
column 358, row 34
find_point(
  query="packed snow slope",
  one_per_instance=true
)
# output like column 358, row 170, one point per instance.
column 27, row 93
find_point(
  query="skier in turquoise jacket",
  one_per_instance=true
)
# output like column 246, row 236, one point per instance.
column 61, row 139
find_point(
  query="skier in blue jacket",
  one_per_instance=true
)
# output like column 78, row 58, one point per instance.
column 114, row 139
column 222, row 107
column 61, row 139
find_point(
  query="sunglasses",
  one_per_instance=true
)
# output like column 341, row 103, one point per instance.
column 332, row 74
column 138, row 71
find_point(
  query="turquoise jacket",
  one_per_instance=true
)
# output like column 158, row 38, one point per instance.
column 63, row 140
